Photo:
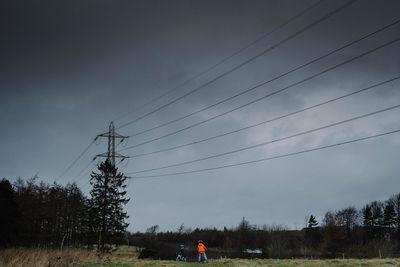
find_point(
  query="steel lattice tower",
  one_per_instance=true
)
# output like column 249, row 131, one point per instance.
column 111, row 135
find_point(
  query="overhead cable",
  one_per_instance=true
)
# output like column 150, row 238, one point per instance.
column 270, row 48
column 271, row 158
column 237, row 52
column 269, row 120
column 266, row 96
column 76, row 160
column 270, row 80
column 80, row 173
column 271, row 141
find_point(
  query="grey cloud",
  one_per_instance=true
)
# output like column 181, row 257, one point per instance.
column 67, row 69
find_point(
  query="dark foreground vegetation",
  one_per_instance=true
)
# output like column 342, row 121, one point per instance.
column 51, row 216
column 36, row 214
column 331, row 240
column 372, row 232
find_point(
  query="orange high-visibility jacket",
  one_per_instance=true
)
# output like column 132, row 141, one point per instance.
column 201, row 248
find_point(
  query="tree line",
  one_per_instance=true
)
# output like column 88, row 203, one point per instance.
column 51, row 215
column 38, row 214
column 372, row 231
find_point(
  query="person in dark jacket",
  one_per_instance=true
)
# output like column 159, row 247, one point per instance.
column 181, row 254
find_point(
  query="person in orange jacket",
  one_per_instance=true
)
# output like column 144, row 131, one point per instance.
column 201, row 249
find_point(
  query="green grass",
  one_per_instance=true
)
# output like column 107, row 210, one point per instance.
column 249, row 263
column 125, row 256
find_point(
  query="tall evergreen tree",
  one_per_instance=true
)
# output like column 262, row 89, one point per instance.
column 377, row 213
column 106, row 204
column 312, row 222
column 389, row 214
column 312, row 234
column 368, row 219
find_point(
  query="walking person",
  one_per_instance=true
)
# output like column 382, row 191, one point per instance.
column 201, row 250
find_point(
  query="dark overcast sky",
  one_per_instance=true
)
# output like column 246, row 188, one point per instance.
column 67, row 68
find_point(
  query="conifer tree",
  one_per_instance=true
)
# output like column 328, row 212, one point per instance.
column 106, row 204
column 377, row 213
column 312, row 222
column 368, row 219
column 389, row 214
column 313, row 236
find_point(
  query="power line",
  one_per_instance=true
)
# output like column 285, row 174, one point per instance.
column 271, row 141
column 75, row 161
column 245, row 62
column 79, row 175
column 269, row 81
column 272, row 158
column 302, row 12
column 269, row 120
column 87, row 181
column 266, row 96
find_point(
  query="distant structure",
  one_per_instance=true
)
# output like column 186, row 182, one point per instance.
column 253, row 253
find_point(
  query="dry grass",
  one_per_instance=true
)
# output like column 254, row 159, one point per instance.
column 126, row 257
column 25, row 257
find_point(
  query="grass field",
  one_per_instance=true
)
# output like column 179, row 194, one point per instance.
column 127, row 257
column 249, row 263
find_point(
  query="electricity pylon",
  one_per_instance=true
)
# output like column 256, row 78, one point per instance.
column 111, row 135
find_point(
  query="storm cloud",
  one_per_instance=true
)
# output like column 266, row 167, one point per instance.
column 69, row 68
